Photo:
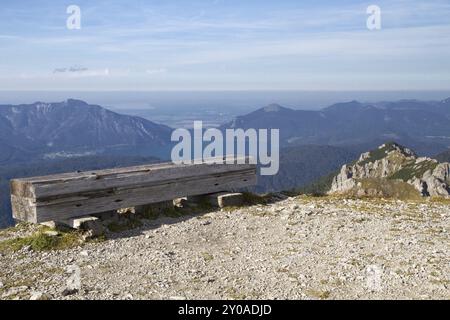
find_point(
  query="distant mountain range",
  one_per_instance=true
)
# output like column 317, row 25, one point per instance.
column 421, row 125
column 74, row 128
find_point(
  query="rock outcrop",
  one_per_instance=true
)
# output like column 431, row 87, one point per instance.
column 391, row 170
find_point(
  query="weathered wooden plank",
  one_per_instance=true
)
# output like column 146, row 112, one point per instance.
column 65, row 196
column 111, row 191
column 140, row 196
column 96, row 183
column 69, row 183
column 136, row 169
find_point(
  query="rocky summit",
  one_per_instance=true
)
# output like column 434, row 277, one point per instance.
column 294, row 248
column 393, row 171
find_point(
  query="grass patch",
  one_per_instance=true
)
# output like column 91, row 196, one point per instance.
column 414, row 170
column 40, row 241
column 21, row 226
column 440, row 200
column 379, row 187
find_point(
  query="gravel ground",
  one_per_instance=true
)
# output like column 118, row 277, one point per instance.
column 298, row 248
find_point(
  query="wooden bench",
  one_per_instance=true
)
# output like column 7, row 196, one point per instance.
column 69, row 195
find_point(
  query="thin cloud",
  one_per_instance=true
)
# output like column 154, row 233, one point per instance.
column 73, row 69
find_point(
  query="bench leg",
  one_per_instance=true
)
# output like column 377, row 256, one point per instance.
column 91, row 224
column 221, row 199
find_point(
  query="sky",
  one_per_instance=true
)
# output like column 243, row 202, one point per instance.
column 224, row 45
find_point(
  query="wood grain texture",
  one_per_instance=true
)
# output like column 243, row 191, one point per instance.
column 69, row 195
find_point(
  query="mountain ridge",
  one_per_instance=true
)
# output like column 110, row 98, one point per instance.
column 420, row 124
column 73, row 126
